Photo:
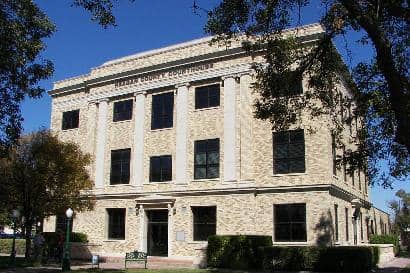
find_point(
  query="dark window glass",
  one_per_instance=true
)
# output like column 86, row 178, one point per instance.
column 206, row 159
column 71, row 119
column 204, row 222
column 290, row 223
column 359, row 176
column 116, row 224
column 289, row 152
column 352, row 176
column 162, row 111
column 160, row 168
column 207, row 96
column 334, row 154
column 120, row 166
column 347, row 223
column 344, row 165
column 291, row 85
column 336, row 223
column 61, row 224
column 122, row 110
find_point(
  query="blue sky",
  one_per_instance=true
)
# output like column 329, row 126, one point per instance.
column 80, row 44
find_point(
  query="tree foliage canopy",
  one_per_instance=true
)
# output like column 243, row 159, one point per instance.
column 44, row 176
column 380, row 87
column 401, row 210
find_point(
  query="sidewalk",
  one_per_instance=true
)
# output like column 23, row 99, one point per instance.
column 394, row 266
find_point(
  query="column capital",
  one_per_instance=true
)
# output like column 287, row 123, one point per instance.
column 231, row 76
column 144, row 93
column 186, row 84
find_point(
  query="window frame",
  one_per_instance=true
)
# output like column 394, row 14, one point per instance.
column 195, row 224
column 289, row 145
column 160, row 158
column 290, row 222
column 67, row 120
column 123, row 115
column 122, row 161
column 162, row 119
column 208, row 89
column 207, row 152
column 118, row 224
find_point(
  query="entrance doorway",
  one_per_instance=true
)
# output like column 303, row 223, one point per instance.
column 157, row 239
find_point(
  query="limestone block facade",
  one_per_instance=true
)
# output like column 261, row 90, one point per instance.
column 242, row 190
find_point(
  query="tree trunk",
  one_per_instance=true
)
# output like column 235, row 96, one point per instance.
column 27, row 237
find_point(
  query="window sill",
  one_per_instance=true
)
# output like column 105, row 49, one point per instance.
column 70, row 130
column 118, row 185
column 289, row 174
column 198, row 242
column 208, row 108
column 114, row 240
column 161, row 129
column 121, row 121
column 158, row 182
column 290, row 243
column 207, row 180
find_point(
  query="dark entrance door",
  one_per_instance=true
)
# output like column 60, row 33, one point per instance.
column 157, row 232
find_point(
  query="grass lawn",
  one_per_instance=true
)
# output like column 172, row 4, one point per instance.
column 19, row 262
column 406, row 270
column 149, row 271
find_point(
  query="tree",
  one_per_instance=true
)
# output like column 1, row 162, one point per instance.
column 401, row 210
column 44, row 176
column 380, row 86
column 23, row 28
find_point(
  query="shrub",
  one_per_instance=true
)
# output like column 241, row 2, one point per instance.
column 386, row 239
column 321, row 259
column 79, row 237
column 236, row 251
column 6, row 245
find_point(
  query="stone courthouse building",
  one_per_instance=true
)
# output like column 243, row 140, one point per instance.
column 178, row 156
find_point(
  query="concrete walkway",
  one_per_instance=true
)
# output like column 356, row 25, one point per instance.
column 394, row 266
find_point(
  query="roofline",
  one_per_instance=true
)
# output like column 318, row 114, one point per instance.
column 222, row 53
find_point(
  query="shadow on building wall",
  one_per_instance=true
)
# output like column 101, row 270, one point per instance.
column 324, row 230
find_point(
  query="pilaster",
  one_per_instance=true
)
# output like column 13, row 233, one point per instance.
column 138, row 149
column 181, row 133
column 100, row 142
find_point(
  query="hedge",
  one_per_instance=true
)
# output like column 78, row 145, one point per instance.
column 386, row 239
column 6, row 245
column 352, row 259
column 236, row 251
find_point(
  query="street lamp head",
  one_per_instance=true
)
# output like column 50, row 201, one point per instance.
column 15, row 213
column 69, row 213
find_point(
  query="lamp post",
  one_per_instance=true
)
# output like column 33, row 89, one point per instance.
column 66, row 258
column 15, row 215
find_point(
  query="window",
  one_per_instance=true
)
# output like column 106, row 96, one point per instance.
column 70, row 119
column 116, row 224
column 334, row 154
column 120, row 166
column 361, row 226
column 347, row 223
column 288, row 152
column 204, row 222
column 162, row 111
column 122, row 110
column 290, row 223
column 352, row 176
column 61, row 224
column 206, row 159
column 336, row 223
column 207, row 96
column 292, row 84
column 160, row 168
column 344, row 165
column 359, row 174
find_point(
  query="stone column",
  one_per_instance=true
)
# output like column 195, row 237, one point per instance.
column 181, row 134
column 143, row 232
column 229, row 128
column 170, row 229
column 101, row 139
column 138, row 149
